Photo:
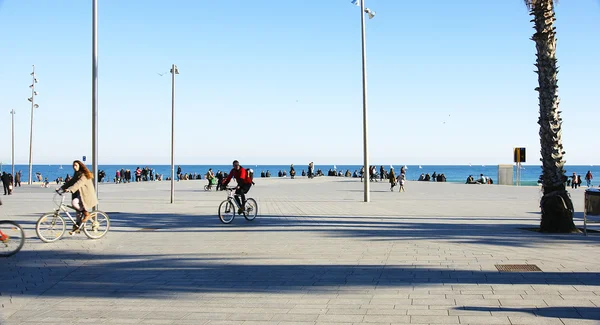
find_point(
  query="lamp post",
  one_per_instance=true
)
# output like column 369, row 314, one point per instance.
column 33, row 105
column 363, row 11
column 174, row 71
column 95, row 93
column 12, row 112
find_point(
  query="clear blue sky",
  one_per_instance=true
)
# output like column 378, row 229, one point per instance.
column 287, row 75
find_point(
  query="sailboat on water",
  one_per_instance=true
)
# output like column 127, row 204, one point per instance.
column 60, row 167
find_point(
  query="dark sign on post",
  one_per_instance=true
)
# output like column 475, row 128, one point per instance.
column 83, row 158
column 520, row 155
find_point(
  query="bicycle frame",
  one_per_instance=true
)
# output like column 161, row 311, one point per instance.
column 231, row 196
column 62, row 207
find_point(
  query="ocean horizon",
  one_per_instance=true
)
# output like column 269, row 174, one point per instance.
column 454, row 173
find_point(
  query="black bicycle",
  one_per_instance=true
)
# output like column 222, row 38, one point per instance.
column 230, row 206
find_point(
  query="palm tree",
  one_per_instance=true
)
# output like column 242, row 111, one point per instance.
column 556, row 204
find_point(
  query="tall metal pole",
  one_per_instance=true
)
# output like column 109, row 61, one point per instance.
column 364, row 80
column 95, row 93
column 31, row 127
column 12, row 112
column 173, row 71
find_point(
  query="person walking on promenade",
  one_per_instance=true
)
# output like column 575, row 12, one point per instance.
column 574, row 180
column 381, row 173
column 588, row 178
column 401, row 181
column 4, row 178
column 83, row 193
column 178, row 173
column 18, row 179
column 311, row 167
column 392, row 178
column 292, row 171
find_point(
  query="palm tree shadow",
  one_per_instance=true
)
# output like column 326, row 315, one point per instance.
column 590, row 313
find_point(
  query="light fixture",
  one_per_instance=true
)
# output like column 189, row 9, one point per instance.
column 176, row 70
column 35, row 79
column 36, row 106
column 30, row 99
column 35, row 93
column 370, row 12
column 356, row 2
column 32, row 73
column 30, row 86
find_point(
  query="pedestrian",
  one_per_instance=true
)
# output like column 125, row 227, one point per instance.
column 18, row 179
column 392, row 178
column 4, row 178
column 402, row 180
column 588, row 178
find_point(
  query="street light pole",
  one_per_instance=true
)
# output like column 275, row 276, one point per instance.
column 95, row 93
column 33, row 105
column 367, row 194
column 174, row 71
column 12, row 112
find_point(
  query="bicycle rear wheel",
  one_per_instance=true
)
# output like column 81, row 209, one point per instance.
column 251, row 209
column 97, row 226
column 50, row 227
column 226, row 211
column 206, row 188
column 12, row 238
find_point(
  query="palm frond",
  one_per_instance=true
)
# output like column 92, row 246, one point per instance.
column 531, row 3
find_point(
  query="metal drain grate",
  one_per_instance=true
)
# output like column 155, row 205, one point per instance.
column 518, row 268
column 148, row 229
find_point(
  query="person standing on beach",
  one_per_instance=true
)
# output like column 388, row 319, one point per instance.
column 574, row 180
column 588, row 178
column 392, row 178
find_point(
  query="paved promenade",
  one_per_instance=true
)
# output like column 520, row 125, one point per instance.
column 316, row 254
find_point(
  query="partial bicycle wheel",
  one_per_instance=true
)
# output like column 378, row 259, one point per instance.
column 12, row 238
column 226, row 211
column 50, row 227
column 251, row 209
column 206, row 188
column 97, row 225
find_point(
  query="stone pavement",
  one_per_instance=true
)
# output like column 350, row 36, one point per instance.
column 316, row 254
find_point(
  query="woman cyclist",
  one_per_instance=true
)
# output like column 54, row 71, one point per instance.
column 83, row 192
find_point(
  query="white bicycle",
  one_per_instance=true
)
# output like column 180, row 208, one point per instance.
column 52, row 226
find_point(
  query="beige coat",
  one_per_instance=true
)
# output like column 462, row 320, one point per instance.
column 85, row 187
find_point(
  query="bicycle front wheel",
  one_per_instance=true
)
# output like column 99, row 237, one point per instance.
column 50, row 227
column 12, row 238
column 251, row 209
column 97, row 225
column 206, row 188
column 226, row 211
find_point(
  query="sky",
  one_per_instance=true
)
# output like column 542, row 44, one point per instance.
column 279, row 82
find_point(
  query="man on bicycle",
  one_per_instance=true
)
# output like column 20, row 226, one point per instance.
column 244, row 182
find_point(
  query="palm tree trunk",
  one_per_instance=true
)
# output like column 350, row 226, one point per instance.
column 556, row 204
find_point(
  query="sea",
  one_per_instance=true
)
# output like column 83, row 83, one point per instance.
column 454, row 173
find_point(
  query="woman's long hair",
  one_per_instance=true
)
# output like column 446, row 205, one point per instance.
column 82, row 169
